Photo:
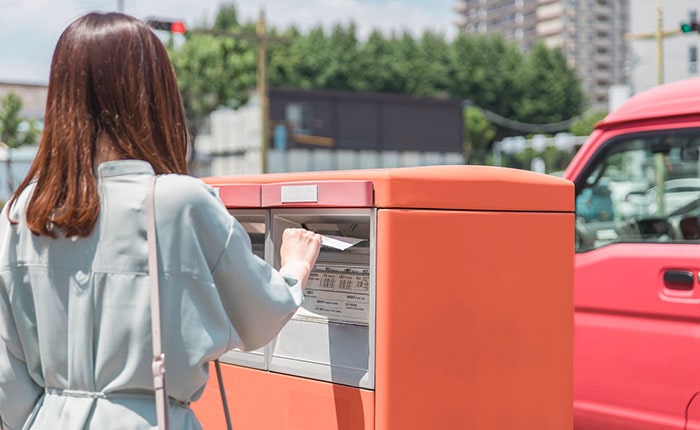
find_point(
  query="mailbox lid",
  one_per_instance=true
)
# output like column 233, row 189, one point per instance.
column 236, row 195
column 340, row 193
column 444, row 187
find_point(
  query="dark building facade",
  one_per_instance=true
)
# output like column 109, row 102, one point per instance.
column 348, row 120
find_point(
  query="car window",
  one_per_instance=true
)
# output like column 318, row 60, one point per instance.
column 640, row 189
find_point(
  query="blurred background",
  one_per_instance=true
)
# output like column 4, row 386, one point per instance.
column 274, row 86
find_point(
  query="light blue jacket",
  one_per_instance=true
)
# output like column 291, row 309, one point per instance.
column 75, row 326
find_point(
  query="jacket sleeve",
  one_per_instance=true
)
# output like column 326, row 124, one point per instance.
column 257, row 298
column 18, row 391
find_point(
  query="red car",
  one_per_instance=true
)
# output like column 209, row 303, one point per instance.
column 637, row 268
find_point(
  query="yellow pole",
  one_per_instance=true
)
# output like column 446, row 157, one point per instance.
column 262, row 91
column 659, row 44
column 659, row 159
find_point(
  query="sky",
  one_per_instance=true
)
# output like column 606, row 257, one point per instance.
column 29, row 29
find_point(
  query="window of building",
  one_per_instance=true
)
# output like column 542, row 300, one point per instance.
column 519, row 18
column 693, row 59
column 300, row 117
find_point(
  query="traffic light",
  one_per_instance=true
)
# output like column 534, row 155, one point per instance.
column 177, row 27
column 689, row 27
column 692, row 24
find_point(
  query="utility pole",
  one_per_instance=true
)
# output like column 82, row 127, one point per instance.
column 659, row 35
column 120, row 6
column 262, row 90
column 261, row 39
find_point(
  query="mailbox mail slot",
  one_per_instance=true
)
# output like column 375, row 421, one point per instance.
column 331, row 337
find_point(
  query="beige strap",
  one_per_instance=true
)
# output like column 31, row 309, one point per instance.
column 158, row 365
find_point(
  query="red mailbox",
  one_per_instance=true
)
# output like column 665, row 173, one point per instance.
column 445, row 304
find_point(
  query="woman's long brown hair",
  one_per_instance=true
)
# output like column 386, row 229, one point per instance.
column 111, row 83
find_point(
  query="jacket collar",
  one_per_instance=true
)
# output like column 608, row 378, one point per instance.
column 123, row 167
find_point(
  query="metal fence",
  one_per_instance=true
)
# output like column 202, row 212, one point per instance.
column 305, row 160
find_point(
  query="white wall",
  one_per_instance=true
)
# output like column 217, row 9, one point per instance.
column 20, row 160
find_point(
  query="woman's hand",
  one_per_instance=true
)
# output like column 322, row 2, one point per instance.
column 298, row 253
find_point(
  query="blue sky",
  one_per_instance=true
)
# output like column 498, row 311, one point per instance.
column 29, row 29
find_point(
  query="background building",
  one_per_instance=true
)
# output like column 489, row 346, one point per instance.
column 591, row 33
column 33, row 98
column 332, row 130
column 372, row 121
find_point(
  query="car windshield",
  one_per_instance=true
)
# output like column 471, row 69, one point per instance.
column 641, row 188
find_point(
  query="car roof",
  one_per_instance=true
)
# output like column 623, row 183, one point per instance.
column 678, row 98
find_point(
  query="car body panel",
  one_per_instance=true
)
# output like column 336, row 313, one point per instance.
column 637, row 336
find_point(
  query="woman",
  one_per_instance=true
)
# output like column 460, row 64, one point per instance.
column 75, row 329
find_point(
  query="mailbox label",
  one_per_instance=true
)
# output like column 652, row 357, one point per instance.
column 337, row 293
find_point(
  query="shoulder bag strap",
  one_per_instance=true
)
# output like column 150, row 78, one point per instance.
column 222, row 390
column 158, row 365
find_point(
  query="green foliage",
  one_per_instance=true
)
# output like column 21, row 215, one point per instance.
column 11, row 133
column 382, row 67
column 585, row 125
column 484, row 69
column 555, row 160
column 214, row 71
column 305, row 65
column 342, row 52
column 551, row 91
column 478, row 133
column 433, row 66
column 226, row 18
column 494, row 74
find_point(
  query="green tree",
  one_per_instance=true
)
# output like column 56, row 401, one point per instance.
column 313, row 69
column 484, row 69
column 214, row 71
column 407, row 56
column 343, row 51
column 584, row 126
column 15, row 131
column 493, row 74
column 432, row 66
column 226, row 17
column 285, row 61
column 478, row 134
column 551, row 91
column 380, row 66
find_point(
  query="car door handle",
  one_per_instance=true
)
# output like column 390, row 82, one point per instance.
column 678, row 280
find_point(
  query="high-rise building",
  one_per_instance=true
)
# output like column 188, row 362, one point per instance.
column 590, row 33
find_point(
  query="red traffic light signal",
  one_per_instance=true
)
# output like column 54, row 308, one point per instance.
column 177, row 27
